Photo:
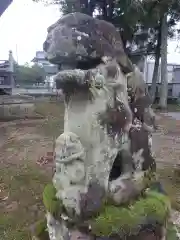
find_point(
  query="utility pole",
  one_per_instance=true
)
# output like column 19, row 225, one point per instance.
column 11, row 70
column 16, row 53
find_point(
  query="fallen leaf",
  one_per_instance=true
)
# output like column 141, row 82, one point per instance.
column 5, row 198
column 12, row 206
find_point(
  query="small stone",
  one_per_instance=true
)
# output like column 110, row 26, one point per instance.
column 79, row 38
column 77, row 235
column 12, row 206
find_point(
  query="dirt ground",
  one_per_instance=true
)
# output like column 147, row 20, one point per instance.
column 166, row 141
column 22, row 178
column 166, row 148
column 23, row 147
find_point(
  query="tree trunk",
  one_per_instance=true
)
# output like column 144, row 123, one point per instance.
column 110, row 10
column 84, row 6
column 124, row 40
column 156, row 66
column 77, row 6
column 104, row 10
column 164, row 76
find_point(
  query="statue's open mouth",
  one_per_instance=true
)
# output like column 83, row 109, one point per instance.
column 88, row 63
column 75, row 77
column 83, row 64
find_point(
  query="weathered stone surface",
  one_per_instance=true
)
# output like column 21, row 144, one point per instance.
column 103, row 127
column 77, row 235
column 16, row 107
column 99, row 126
column 57, row 229
column 135, row 81
column 100, row 138
column 105, row 149
column 78, row 37
column 123, row 189
column 140, row 100
column 17, row 111
column 140, row 148
column 92, row 201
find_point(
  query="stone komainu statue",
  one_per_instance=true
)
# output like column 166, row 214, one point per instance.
column 105, row 184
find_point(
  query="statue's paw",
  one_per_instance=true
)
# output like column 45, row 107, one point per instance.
column 70, row 80
column 121, row 190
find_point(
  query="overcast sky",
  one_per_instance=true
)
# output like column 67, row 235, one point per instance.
column 24, row 26
column 23, row 29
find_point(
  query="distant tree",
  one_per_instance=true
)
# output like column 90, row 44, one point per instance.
column 166, row 16
column 139, row 23
column 24, row 74
column 164, row 76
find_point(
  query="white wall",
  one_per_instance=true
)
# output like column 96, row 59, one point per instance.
column 148, row 74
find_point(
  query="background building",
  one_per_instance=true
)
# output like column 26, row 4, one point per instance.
column 7, row 75
column 6, row 66
column 173, row 78
column 50, row 69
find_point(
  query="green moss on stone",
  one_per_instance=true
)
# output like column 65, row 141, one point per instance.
column 149, row 177
column 51, row 203
column 40, row 230
column 126, row 220
column 40, row 227
column 164, row 199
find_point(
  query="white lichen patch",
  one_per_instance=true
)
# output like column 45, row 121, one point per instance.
column 56, row 230
column 138, row 159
